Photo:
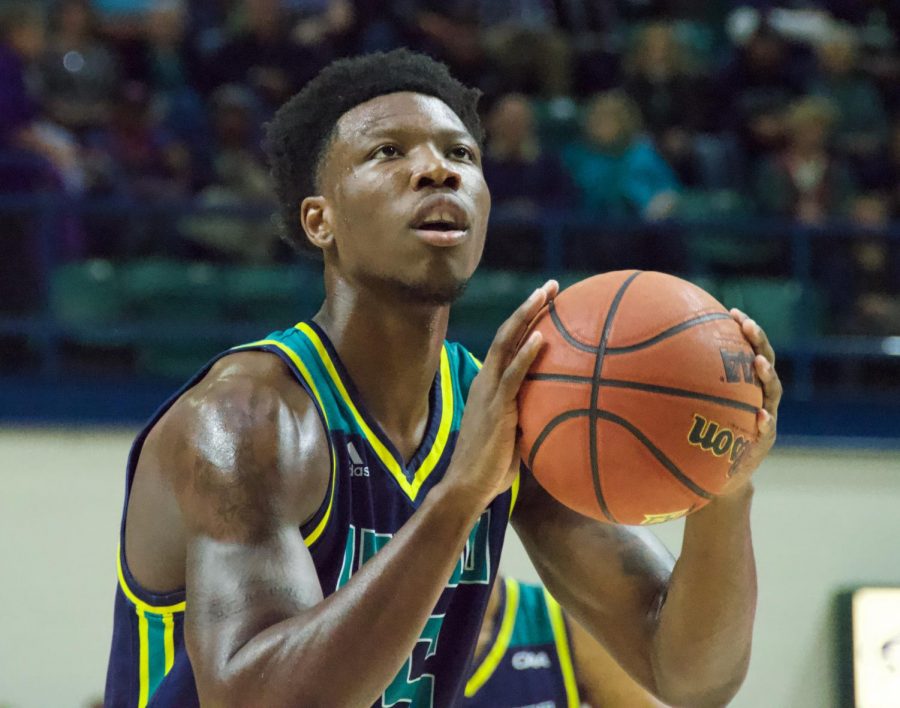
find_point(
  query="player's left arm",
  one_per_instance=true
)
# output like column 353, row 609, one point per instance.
column 682, row 629
column 601, row 681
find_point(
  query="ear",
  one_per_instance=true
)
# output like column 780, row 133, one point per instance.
column 315, row 216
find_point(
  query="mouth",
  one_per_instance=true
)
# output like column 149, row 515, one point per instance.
column 441, row 221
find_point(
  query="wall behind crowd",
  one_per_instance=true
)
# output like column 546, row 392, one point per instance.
column 822, row 520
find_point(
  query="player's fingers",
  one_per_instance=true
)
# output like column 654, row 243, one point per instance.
column 772, row 388
column 738, row 315
column 756, row 335
column 765, row 423
column 503, row 348
column 515, row 372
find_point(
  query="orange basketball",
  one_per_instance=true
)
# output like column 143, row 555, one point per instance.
column 641, row 399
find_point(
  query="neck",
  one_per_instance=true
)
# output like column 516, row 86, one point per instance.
column 391, row 348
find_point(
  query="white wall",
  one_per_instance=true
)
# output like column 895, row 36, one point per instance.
column 821, row 520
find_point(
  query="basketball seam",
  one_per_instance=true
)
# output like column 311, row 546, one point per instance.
column 660, row 456
column 595, row 392
column 657, row 453
column 671, row 332
column 655, row 339
column 548, row 428
column 650, row 388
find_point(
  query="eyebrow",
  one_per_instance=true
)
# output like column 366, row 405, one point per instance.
column 374, row 131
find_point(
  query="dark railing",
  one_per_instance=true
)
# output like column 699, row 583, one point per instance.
column 807, row 348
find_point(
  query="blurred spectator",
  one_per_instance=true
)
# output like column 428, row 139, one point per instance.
column 262, row 55
column 167, row 61
column 134, row 156
column 323, row 24
column 449, row 30
column 672, row 100
column 863, row 273
column 754, row 91
column 522, row 39
column 861, row 128
column 523, row 178
column 617, row 169
column 499, row 45
column 882, row 172
column 806, row 181
column 170, row 63
column 80, row 74
column 37, row 153
column 239, row 178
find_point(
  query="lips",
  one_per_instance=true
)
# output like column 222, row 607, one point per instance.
column 440, row 213
column 440, row 220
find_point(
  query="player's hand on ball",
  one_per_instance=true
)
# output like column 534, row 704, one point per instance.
column 486, row 459
column 767, row 417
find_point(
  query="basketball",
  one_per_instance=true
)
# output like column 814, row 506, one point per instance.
column 641, row 400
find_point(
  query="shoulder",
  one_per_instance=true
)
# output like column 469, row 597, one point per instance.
column 243, row 445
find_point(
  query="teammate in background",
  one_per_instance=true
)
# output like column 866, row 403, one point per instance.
column 529, row 654
column 312, row 520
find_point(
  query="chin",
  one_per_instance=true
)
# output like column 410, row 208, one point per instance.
column 431, row 292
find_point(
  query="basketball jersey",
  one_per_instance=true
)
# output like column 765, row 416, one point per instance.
column 371, row 495
column 528, row 662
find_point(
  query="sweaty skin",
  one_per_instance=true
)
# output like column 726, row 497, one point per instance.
column 240, row 461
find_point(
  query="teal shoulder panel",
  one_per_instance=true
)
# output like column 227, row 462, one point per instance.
column 532, row 619
column 315, row 368
column 464, row 366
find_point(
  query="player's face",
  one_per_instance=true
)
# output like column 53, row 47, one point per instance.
column 406, row 199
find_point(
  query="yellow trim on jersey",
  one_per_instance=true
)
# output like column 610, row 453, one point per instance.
column 411, row 488
column 138, row 603
column 562, row 650
column 169, row 641
column 493, row 658
column 304, row 372
column 514, row 492
column 142, row 609
column 143, row 659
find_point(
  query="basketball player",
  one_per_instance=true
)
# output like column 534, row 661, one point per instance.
column 529, row 654
column 314, row 520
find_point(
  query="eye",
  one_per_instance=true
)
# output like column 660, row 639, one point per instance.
column 461, row 152
column 388, row 151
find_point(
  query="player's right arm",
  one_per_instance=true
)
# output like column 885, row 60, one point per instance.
column 249, row 471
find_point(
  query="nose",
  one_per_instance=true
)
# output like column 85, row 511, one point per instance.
column 433, row 170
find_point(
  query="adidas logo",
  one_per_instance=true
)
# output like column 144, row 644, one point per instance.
column 358, row 468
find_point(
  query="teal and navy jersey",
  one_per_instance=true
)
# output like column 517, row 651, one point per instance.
column 528, row 661
column 372, row 493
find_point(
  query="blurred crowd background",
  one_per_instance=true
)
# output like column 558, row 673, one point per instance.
column 753, row 146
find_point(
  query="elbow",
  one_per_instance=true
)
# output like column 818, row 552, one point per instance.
column 689, row 690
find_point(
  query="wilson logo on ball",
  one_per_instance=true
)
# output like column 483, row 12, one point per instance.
column 710, row 436
column 738, row 366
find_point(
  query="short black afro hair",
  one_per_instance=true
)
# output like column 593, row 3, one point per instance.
column 299, row 133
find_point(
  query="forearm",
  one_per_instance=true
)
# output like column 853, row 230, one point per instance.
column 701, row 647
column 346, row 649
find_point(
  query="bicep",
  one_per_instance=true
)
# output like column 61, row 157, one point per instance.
column 612, row 579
